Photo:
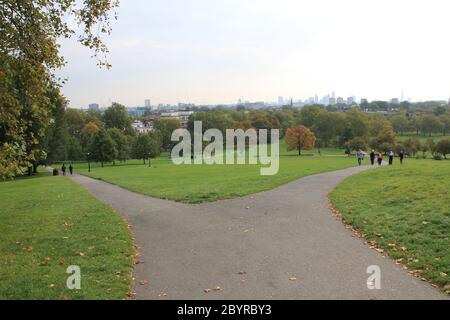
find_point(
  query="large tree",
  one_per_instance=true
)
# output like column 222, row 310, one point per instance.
column 102, row 147
column 117, row 117
column 122, row 145
column 299, row 138
column 29, row 56
column 165, row 127
column 146, row 146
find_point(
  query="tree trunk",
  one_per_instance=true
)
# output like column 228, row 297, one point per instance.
column 30, row 171
column 299, row 152
column 144, row 160
column 149, row 163
column 35, row 167
column 102, row 164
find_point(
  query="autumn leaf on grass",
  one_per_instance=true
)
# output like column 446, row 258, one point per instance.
column 81, row 254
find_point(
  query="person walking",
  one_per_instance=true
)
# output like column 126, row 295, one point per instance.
column 372, row 157
column 63, row 169
column 360, row 156
column 71, row 169
column 391, row 157
column 380, row 158
column 401, row 155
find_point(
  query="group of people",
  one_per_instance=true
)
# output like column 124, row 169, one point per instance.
column 378, row 157
column 63, row 169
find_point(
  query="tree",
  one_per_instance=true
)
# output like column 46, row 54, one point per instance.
column 445, row 122
column 117, row 117
column 443, row 147
column 400, row 123
column 146, row 146
column 102, row 147
column 327, row 126
column 308, row 115
column 299, row 138
column 87, row 133
column 358, row 123
column 430, row 124
column 29, row 56
column 356, row 144
column 122, row 145
column 412, row 145
column 166, row 127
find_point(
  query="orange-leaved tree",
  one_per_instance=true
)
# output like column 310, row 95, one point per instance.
column 298, row 138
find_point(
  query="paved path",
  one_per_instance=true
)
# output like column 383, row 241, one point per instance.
column 253, row 247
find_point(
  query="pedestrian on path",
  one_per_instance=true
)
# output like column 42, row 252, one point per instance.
column 360, row 156
column 380, row 158
column 71, row 169
column 391, row 157
column 63, row 169
column 372, row 157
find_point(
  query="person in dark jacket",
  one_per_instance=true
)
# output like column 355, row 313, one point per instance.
column 401, row 155
column 63, row 169
column 71, row 169
column 372, row 157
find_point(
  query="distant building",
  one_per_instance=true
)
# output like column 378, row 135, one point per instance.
column 94, row 107
column 182, row 116
column 142, row 127
column 147, row 103
column 395, row 101
column 340, row 100
column 332, row 101
column 280, row 101
column 350, row 101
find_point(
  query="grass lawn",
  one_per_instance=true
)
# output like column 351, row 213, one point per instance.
column 49, row 223
column 203, row 183
column 405, row 211
column 422, row 138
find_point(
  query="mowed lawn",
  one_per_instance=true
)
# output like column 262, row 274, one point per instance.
column 204, row 183
column 49, row 223
column 405, row 210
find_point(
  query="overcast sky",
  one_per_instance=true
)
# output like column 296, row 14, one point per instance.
column 217, row 51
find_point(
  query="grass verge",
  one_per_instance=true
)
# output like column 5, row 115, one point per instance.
column 49, row 223
column 403, row 211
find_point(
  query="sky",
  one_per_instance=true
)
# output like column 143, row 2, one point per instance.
column 219, row 51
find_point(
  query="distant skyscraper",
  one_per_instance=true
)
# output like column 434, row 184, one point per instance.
column 332, row 101
column 280, row 101
column 94, row 107
column 147, row 103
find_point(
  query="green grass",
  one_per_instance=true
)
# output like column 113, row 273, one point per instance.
column 407, row 206
column 422, row 138
column 49, row 223
column 204, row 183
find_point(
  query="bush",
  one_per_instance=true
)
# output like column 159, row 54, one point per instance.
column 437, row 157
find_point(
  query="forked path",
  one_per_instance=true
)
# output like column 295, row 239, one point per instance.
column 279, row 244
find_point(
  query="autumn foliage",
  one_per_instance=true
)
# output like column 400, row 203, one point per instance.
column 299, row 138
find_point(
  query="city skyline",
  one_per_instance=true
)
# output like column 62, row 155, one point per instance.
column 214, row 53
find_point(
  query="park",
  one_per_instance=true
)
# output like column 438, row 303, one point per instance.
column 216, row 191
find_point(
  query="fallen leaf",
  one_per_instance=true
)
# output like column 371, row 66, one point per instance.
column 207, row 290
column 217, row 289
column 443, row 274
column 143, row 282
column 293, row 279
column 81, row 254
